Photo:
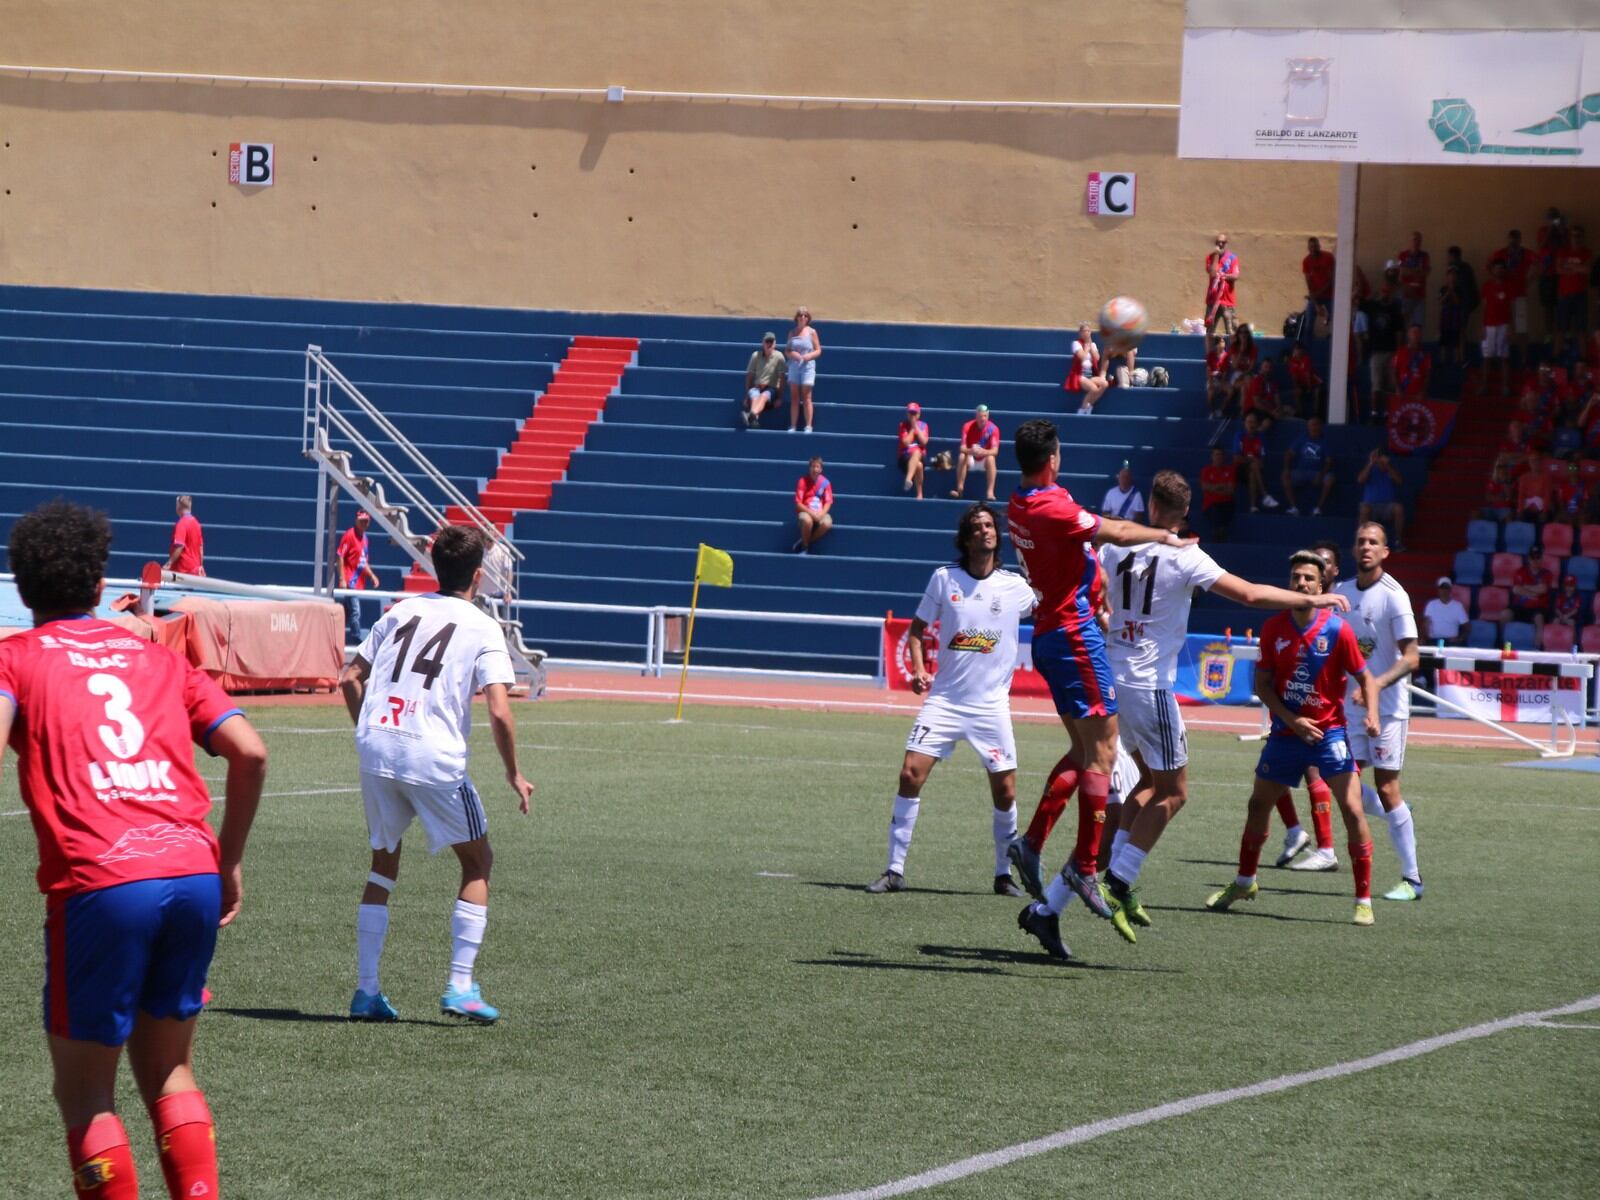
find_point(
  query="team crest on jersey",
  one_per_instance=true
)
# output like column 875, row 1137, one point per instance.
column 1322, row 644
column 1215, row 676
column 994, row 607
column 978, row 641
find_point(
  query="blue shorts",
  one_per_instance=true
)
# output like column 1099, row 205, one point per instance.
column 137, row 947
column 1078, row 672
column 1285, row 759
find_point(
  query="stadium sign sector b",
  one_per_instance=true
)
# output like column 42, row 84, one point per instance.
column 1465, row 97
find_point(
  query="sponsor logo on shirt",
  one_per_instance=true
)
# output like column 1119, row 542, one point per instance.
column 1281, row 645
column 151, row 841
column 148, row 781
column 980, row 641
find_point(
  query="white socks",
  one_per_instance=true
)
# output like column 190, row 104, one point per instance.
column 1057, row 895
column 467, row 923
column 372, row 926
column 901, row 824
column 1119, row 839
column 1005, row 829
column 1370, row 801
column 1403, row 833
column 1127, row 861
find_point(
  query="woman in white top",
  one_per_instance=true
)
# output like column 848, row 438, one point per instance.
column 805, row 347
column 1088, row 372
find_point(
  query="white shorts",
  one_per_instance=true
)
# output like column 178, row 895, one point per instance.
column 1124, row 776
column 1519, row 314
column 939, row 726
column 1387, row 750
column 449, row 815
column 756, row 393
column 1150, row 723
column 1496, row 341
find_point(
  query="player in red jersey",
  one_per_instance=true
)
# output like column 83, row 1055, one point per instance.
column 1052, row 537
column 136, row 884
column 1306, row 657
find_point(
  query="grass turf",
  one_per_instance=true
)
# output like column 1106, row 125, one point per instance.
column 677, row 1023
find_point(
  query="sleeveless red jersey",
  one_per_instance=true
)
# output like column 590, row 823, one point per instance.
column 103, row 733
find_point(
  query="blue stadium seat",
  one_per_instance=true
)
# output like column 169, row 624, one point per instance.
column 1483, row 635
column 1520, row 536
column 1483, row 536
column 1469, row 567
column 1519, row 635
column 1585, row 570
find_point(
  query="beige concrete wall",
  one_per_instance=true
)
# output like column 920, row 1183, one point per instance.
column 944, row 215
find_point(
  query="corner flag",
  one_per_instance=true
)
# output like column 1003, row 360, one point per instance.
column 715, row 568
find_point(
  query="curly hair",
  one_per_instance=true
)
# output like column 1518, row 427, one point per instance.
column 58, row 554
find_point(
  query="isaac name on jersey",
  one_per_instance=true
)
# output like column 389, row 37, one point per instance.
column 977, row 623
column 1151, row 589
column 1381, row 617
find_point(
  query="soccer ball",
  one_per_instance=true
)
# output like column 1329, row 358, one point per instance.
column 1141, row 377
column 1122, row 323
column 1159, row 377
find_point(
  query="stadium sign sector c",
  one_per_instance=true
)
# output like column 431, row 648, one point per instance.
column 1490, row 97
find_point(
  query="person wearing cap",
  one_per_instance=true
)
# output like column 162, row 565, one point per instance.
column 763, row 379
column 1445, row 618
column 1566, row 606
column 980, row 443
column 1123, row 500
column 913, row 448
column 1530, row 591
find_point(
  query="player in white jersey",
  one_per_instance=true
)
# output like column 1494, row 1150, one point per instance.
column 976, row 606
column 409, row 690
column 1150, row 589
column 1384, row 625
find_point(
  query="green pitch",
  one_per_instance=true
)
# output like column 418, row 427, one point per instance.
column 699, row 1000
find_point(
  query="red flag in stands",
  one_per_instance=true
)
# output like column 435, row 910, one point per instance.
column 1419, row 426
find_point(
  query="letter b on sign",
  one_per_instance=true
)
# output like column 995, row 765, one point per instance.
column 1111, row 193
column 250, row 164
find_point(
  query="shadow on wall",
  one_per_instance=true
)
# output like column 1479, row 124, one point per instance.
column 1066, row 136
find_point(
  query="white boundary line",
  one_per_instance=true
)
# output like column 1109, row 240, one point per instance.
column 1078, row 1134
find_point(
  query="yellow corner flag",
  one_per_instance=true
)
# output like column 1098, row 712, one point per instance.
column 715, row 568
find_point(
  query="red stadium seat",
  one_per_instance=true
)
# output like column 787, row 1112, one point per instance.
column 1494, row 604
column 1557, row 639
column 1557, row 540
column 1463, row 594
column 1591, row 639
column 1503, row 568
column 1589, row 540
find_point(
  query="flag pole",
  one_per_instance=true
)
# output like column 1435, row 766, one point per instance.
column 688, row 640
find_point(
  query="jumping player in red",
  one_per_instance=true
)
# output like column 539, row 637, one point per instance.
column 1052, row 536
column 1306, row 658
column 135, row 882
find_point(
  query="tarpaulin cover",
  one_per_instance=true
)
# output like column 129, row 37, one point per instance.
column 266, row 645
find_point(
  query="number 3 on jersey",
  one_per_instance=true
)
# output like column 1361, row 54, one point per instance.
column 127, row 738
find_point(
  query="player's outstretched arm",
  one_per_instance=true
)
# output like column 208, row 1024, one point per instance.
column 1130, row 533
column 353, row 685
column 504, row 728
column 1264, row 595
column 246, row 754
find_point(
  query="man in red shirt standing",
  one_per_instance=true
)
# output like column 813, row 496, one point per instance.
column 1222, row 273
column 136, row 883
column 1317, row 267
column 1517, row 260
column 1499, row 299
column 980, row 442
column 1414, row 268
column 1413, row 365
column 355, row 570
column 1572, row 289
column 188, row 555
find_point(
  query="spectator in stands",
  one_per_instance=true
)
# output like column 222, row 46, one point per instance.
column 353, row 561
column 1086, row 373
column 980, row 443
column 1566, row 606
column 1261, row 396
column 1308, row 464
column 1573, row 497
column 1498, row 495
column 1452, row 316
column 1535, row 490
column 763, row 379
column 813, row 507
column 805, row 347
column 1380, row 495
column 1445, row 618
column 1414, row 268
column 1517, row 262
column 1572, row 290
column 1466, row 278
column 1513, row 453
column 1384, row 324
column 1317, row 267
column 1499, row 304
column 1589, row 423
column 188, row 544
column 1222, row 274
column 1552, row 239
column 1307, row 383
column 1249, row 456
column 1123, row 500
column 1219, row 482
column 1242, row 360
column 913, row 450
column 1530, row 591
column 1412, row 366
column 1217, row 373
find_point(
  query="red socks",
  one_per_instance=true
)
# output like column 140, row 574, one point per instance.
column 1286, row 810
column 1361, row 865
column 188, row 1144
column 102, row 1163
column 1091, row 820
column 1322, row 814
column 1250, row 852
column 1058, row 790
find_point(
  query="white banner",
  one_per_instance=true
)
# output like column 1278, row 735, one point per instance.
column 1491, row 98
column 1509, row 699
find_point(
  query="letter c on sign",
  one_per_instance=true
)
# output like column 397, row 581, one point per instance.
column 1117, row 194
